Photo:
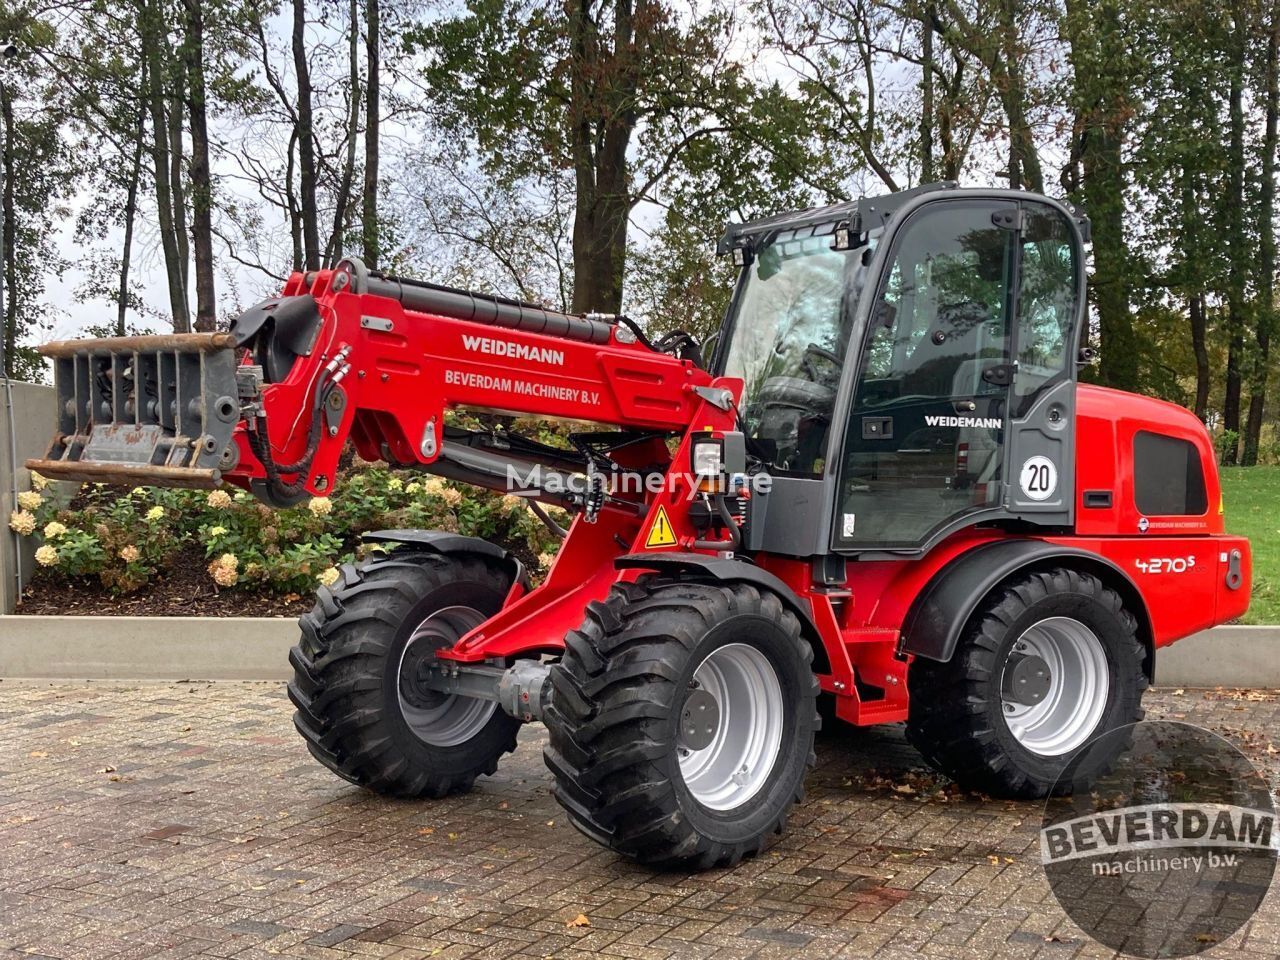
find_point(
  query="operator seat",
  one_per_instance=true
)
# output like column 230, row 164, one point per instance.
column 951, row 340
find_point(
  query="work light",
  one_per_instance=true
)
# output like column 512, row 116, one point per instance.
column 708, row 458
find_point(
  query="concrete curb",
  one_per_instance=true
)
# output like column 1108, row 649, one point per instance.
column 257, row 648
column 1231, row 656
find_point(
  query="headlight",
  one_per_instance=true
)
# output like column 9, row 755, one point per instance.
column 708, row 458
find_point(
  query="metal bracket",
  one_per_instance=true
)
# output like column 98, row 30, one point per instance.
column 718, row 397
column 1008, row 219
column 334, row 408
column 429, row 445
column 377, row 323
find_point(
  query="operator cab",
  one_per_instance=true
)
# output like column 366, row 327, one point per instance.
column 914, row 355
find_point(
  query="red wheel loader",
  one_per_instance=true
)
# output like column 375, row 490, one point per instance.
column 881, row 496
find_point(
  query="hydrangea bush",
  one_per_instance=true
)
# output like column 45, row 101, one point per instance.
column 127, row 538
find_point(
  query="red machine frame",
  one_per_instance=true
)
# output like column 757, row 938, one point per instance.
column 406, row 368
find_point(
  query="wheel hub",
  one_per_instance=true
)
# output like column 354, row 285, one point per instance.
column 1026, row 679
column 436, row 718
column 699, row 720
column 415, row 676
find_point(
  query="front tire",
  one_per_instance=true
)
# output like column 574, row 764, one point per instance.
column 1049, row 662
column 681, row 721
column 364, row 645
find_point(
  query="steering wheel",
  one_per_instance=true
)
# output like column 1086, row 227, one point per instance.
column 806, row 361
column 809, row 395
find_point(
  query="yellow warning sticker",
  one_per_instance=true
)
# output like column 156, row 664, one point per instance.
column 661, row 534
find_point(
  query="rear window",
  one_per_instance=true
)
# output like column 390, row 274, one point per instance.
column 1168, row 478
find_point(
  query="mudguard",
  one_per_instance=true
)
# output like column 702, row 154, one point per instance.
column 445, row 543
column 939, row 615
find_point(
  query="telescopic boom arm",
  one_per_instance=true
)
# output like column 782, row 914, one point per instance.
column 341, row 354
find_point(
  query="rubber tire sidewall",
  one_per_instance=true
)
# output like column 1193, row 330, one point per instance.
column 759, row 813
column 493, row 739
column 1123, row 697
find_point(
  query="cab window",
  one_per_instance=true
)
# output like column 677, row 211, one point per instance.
column 1048, row 285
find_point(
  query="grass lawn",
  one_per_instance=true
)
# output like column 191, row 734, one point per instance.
column 1252, row 496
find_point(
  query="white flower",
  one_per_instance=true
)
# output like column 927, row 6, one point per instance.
column 217, row 531
column 30, row 500
column 395, row 483
column 47, row 556
column 38, row 482
column 328, row 577
column 433, row 486
column 53, row 530
column 545, row 560
column 511, row 503
column 320, row 506
column 219, row 499
column 138, row 492
column 155, row 513
column 130, row 554
column 413, row 487
column 451, row 496
column 22, row 522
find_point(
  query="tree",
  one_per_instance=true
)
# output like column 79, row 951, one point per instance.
column 201, row 181
column 612, row 93
column 372, row 131
column 306, row 141
column 36, row 171
column 1266, row 274
column 1236, row 237
column 154, row 38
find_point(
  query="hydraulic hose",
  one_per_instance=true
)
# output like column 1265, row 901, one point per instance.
column 726, row 518
column 260, row 444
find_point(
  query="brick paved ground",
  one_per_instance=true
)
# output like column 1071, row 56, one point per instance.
column 187, row 820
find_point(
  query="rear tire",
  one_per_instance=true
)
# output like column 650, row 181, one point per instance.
column 968, row 722
column 635, row 768
column 358, row 709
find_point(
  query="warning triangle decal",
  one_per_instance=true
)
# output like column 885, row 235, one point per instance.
column 661, row 533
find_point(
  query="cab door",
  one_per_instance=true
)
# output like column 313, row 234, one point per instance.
column 925, row 440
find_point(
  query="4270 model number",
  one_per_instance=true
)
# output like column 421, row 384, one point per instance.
column 1166, row 564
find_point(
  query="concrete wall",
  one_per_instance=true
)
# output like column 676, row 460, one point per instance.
column 32, row 418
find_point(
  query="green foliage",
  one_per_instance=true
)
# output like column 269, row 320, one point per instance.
column 1226, row 443
column 130, row 539
column 1251, row 499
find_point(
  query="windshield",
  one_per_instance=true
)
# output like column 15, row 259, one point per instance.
column 787, row 340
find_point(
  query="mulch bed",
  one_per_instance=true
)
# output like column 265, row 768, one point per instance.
column 185, row 590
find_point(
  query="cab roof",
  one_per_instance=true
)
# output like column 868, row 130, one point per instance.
column 865, row 213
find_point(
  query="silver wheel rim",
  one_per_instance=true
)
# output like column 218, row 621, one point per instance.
column 1079, row 683
column 744, row 749
column 441, row 720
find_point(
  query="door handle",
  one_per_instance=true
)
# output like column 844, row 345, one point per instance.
column 964, row 406
column 877, row 428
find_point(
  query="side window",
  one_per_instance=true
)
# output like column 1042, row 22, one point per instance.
column 941, row 319
column 924, row 443
column 1046, row 301
column 1168, row 478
